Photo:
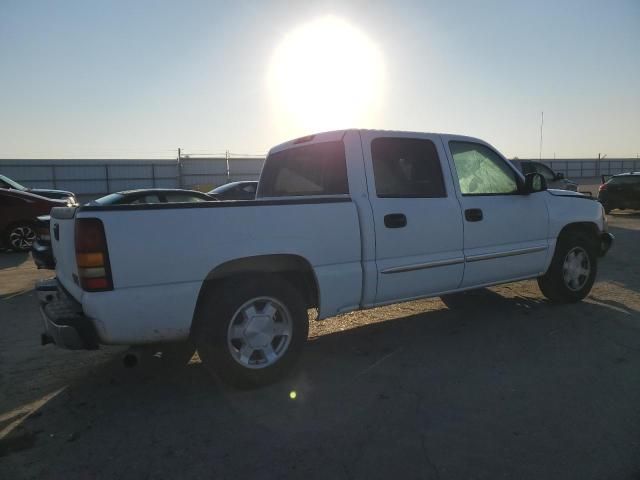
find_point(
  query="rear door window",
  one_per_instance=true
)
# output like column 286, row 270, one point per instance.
column 150, row 198
column 317, row 169
column 406, row 167
column 626, row 180
column 183, row 197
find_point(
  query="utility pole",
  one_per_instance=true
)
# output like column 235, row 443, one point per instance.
column 541, row 125
column 600, row 158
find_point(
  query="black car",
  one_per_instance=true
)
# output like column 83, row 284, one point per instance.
column 620, row 191
column 236, row 191
column 9, row 184
column 41, row 249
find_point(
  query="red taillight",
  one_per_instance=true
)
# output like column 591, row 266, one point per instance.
column 92, row 257
column 603, row 187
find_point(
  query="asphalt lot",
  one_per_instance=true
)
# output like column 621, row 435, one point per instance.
column 508, row 386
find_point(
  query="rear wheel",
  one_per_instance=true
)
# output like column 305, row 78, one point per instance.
column 20, row 236
column 572, row 271
column 250, row 330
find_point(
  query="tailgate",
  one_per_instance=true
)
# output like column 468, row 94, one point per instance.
column 62, row 231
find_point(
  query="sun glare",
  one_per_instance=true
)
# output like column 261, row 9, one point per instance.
column 325, row 75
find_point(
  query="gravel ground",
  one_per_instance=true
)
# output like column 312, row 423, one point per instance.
column 505, row 386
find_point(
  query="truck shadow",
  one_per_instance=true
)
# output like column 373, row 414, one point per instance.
column 617, row 266
column 11, row 259
column 448, row 379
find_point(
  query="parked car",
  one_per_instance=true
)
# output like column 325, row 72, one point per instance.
column 342, row 221
column 41, row 249
column 554, row 179
column 9, row 184
column 235, row 191
column 620, row 191
column 18, row 212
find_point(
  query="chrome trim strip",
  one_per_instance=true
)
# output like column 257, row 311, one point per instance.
column 422, row 266
column 508, row 253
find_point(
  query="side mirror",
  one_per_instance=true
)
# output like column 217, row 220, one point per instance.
column 559, row 176
column 534, row 182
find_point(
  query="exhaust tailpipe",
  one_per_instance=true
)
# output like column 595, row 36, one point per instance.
column 131, row 359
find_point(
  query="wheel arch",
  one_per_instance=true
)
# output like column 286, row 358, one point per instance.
column 296, row 269
column 589, row 228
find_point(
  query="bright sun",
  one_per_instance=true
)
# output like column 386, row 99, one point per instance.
column 325, row 75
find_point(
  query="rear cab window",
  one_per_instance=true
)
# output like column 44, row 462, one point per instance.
column 315, row 169
column 625, row 180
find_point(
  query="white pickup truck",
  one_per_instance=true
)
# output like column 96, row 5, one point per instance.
column 342, row 221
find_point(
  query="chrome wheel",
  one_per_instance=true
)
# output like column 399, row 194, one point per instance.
column 22, row 237
column 576, row 269
column 259, row 332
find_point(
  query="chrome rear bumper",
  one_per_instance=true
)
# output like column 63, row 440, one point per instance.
column 65, row 324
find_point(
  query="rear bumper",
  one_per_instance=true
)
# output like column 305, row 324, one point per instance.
column 64, row 322
column 606, row 241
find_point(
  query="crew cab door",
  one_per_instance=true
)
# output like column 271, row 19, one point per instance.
column 505, row 231
column 417, row 218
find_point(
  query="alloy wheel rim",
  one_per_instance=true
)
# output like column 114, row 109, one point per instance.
column 259, row 333
column 576, row 269
column 22, row 237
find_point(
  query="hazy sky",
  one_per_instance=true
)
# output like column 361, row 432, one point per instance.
column 142, row 78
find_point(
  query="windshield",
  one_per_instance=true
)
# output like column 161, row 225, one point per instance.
column 108, row 199
column 224, row 188
column 6, row 182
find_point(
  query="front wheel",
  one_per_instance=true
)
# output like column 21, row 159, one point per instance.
column 250, row 331
column 572, row 271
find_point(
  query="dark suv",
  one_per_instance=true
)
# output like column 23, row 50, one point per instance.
column 620, row 191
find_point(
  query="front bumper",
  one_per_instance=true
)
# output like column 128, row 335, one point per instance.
column 65, row 324
column 606, row 241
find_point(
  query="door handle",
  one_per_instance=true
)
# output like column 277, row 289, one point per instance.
column 473, row 214
column 395, row 220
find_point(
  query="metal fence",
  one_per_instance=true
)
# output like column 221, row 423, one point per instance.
column 585, row 168
column 99, row 177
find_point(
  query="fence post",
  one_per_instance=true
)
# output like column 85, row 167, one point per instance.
column 179, row 168
column 106, row 177
column 153, row 175
column 53, row 175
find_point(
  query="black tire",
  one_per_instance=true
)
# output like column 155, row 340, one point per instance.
column 554, row 284
column 607, row 209
column 20, row 236
column 218, row 312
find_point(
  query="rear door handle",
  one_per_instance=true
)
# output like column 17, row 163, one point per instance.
column 395, row 220
column 473, row 214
